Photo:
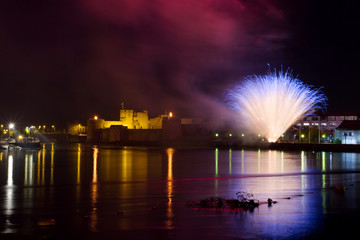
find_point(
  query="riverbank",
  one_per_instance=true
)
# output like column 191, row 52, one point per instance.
column 206, row 142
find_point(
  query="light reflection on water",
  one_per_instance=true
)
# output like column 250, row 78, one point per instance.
column 94, row 192
column 93, row 189
column 169, row 213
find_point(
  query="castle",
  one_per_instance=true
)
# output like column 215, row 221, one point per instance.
column 135, row 127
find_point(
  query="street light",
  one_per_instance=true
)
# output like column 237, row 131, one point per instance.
column 11, row 126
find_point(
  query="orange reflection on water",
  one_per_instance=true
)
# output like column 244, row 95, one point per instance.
column 169, row 212
column 94, row 192
column 38, row 167
column 95, row 156
column 78, row 163
column 126, row 166
column 52, row 164
column 43, row 167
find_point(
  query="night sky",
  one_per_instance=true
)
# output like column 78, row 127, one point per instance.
column 67, row 60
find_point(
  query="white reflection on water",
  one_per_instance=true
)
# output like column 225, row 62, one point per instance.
column 242, row 161
column 303, row 169
column 9, row 195
column 10, row 180
column 29, row 172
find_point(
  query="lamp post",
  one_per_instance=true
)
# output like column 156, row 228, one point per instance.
column 11, row 126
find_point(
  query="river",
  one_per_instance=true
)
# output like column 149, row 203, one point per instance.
column 94, row 192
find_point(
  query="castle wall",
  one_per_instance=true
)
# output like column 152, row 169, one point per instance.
column 134, row 120
column 144, row 135
column 93, row 129
column 141, row 120
column 108, row 124
column 171, row 128
column 155, row 123
column 137, row 127
column 114, row 134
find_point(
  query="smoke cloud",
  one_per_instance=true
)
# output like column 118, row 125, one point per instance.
column 159, row 55
column 180, row 55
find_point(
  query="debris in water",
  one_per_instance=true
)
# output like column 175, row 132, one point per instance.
column 270, row 202
column 244, row 201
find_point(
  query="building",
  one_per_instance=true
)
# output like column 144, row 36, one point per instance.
column 327, row 121
column 76, row 129
column 318, row 128
column 134, row 126
column 348, row 132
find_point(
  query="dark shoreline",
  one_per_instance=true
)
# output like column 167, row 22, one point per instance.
column 210, row 143
column 264, row 146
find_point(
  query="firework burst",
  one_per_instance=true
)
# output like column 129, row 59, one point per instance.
column 270, row 104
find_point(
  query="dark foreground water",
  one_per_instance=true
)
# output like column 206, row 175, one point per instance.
column 141, row 193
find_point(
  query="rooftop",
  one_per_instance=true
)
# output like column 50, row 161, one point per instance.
column 350, row 125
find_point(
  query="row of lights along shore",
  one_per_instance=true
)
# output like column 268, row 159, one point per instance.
column 27, row 130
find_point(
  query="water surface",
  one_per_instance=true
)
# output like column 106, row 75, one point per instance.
column 141, row 193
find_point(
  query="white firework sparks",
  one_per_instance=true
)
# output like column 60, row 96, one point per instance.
column 270, row 104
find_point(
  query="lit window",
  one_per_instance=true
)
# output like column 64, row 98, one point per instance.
column 306, row 124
